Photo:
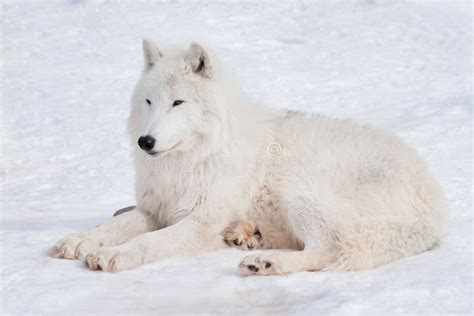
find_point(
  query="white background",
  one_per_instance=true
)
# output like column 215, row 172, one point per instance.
column 68, row 71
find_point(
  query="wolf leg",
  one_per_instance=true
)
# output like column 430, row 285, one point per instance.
column 115, row 231
column 185, row 238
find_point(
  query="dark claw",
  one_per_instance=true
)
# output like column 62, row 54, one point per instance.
column 268, row 265
column 251, row 267
column 237, row 242
column 123, row 210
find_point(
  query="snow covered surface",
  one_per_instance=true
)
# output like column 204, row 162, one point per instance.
column 68, row 70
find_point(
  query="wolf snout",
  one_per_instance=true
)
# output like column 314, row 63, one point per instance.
column 146, row 142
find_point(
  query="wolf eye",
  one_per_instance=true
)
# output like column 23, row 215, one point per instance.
column 148, row 101
column 177, row 102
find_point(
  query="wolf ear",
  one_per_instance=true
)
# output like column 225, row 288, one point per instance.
column 200, row 60
column 151, row 53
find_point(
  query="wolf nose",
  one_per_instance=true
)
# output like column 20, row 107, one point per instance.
column 146, row 142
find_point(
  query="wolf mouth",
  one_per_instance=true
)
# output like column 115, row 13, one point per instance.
column 161, row 153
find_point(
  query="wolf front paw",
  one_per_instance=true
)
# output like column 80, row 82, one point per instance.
column 243, row 235
column 112, row 260
column 73, row 246
column 257, row 265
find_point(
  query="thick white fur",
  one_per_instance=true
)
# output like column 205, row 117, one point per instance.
column 354, row 197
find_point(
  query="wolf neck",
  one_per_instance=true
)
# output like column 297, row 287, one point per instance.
column 248, row 126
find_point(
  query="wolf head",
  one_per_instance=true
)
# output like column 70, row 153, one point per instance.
column 178, row 103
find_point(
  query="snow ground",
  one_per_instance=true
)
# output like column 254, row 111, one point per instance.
column 68, row 70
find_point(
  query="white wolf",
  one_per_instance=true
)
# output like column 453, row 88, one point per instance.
column 213, row 169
